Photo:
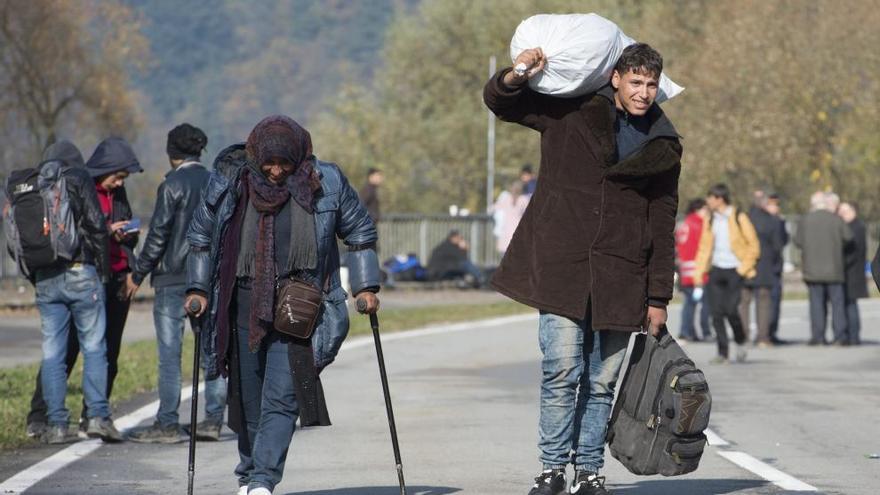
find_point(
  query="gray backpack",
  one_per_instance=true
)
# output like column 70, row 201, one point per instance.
column 39, row 222
column 661, row 411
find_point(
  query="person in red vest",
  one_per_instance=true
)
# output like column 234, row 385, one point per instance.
column 687, row 241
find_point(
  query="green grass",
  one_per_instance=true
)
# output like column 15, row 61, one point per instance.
column 138, row 370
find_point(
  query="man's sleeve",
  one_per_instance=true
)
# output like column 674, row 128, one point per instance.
column 358, row 231
column 662, row 207
column 159, row 235
column 875, row 268
column 200, row 234
column 92, row 220
column 519, row 105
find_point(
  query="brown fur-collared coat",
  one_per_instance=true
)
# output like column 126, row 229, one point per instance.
column 598, row 233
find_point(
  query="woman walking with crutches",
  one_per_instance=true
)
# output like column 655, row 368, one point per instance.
column 264, row 248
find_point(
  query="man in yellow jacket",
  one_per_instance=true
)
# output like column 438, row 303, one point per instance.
column 729, row 251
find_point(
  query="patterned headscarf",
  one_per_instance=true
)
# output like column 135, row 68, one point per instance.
column 279, row 136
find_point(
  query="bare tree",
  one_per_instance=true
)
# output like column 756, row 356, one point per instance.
column 64, row 68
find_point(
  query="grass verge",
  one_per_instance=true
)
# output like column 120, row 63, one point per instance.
column 138, row 370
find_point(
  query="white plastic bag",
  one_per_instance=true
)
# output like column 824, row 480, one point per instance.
column 581, row 52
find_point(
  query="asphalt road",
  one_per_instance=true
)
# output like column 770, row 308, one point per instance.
column 467, row 409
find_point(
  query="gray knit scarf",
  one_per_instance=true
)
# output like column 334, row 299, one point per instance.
column 303, row 244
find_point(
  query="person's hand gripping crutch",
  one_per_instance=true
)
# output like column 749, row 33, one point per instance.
column 195, row 307
column 368, row 303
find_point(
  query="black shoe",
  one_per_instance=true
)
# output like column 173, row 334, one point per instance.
column 586, row 483
column 55, row 434
column 549, row 482
column 157, row 434
column 103, row 428
column 207, row 430
column 36, row 429
column 814, row 342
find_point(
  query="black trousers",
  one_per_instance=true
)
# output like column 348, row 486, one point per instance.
column 117, row 313
column 724, row 292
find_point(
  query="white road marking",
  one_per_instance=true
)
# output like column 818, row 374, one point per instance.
column 43, row 469
column 714, row 439
column 47, row 467
column 766, row 471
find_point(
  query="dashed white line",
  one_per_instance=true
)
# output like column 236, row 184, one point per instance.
column 47, row 467
column 766, row 471
column 714, row 439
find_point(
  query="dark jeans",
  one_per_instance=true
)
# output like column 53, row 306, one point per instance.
column 763, row 303
column 117, row 314
column 853, row 321
column 820, row 295
column 688, row 311
column 775, row 307
column 724, row 292
column 270, row 410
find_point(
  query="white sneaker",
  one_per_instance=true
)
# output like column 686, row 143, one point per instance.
column 242, row 490
column 260, row 491
column 741, row 353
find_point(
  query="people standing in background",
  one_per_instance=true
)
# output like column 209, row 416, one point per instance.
column 729, row 251
column 507, row 212
column 856, row 284
column 822, row 237
column 527, row 177
column 687, row 242
column 774, row 209
column 369, row 194
column 769, row 269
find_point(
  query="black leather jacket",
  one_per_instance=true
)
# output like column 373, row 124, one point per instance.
column 165, row 249
column 91, row 221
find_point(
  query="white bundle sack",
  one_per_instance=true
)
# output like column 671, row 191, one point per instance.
column 581, row 52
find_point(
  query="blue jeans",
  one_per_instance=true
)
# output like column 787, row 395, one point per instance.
column 688, row 310
column 170, row 319
column 580, row 370
column 76, row 293
column 270, row 410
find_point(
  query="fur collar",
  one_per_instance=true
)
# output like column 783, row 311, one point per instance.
column 660, row 154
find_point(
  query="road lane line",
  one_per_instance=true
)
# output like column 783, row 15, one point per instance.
column 715, row 440
column 766, row 471
column 49, row 466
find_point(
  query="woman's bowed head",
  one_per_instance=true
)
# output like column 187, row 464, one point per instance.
column 280, row 150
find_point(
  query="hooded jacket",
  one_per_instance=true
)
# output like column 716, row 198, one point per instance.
column 87, row 209
column 598, row 232
column 113, row 154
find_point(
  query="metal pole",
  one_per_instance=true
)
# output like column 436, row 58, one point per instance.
column 490, row 152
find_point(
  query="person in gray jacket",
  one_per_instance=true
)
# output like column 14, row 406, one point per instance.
column 163, row 257
column 822, row 237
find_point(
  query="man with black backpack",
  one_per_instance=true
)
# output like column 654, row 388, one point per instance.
column 57, row 234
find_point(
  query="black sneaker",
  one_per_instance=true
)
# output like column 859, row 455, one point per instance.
column 157, row 434
column 207, row 430
column 587, row 483
column 549, row 482
column 36, row 429
column 103, row 428
column 55, row 434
